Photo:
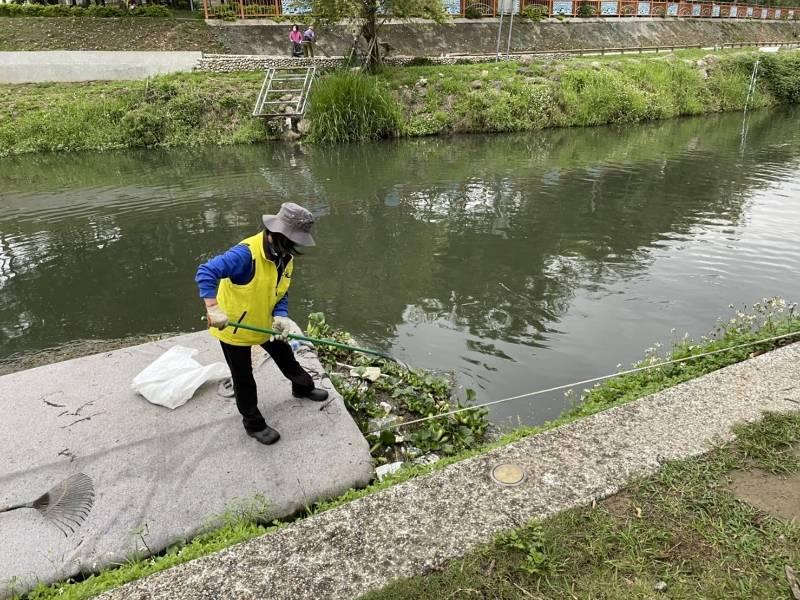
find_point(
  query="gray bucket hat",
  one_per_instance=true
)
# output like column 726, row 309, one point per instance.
column 293, row 221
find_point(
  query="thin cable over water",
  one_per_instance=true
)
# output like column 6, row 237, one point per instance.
column 584, row 382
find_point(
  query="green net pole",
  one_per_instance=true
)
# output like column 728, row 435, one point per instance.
column 295, row 336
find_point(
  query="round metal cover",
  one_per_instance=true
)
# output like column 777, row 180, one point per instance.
column 508, row 474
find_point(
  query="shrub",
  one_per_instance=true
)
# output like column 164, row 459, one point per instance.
column 221, row 11
column 670, row 89
column 94, row 10
column 473, row 12
column 527, row 108
column 152, row 10
column 586, row 10
column 730, row 80
column 259, row 9
column 160, row 89
column 188, row 109
column 522, row 107
column 347, row 106
column 419, row 61
column 782, row 74
column 143, row 127
column 598, row 97
column 98, row 11
column 57, row 10
column 535, row 12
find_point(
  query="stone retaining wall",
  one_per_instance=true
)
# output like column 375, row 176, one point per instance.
column 230, row 63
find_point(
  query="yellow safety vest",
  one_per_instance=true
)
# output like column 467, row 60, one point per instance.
column 258, row 297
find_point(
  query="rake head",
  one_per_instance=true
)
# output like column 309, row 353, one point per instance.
column 67, row 504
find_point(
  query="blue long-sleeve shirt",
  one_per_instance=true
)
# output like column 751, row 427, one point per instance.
column 237, row 265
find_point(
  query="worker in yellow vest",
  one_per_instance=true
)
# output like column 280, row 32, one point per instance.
column 249, row 283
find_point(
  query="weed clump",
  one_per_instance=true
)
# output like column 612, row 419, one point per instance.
column 396, row 395
column 350, row 107
column 772, row 317
column 782, row 76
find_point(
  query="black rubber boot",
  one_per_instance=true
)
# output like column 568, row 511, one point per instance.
column 316, row 395
column 266, row 436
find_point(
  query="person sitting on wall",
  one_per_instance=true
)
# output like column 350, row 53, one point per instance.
column 296, row 38
column 309, row 39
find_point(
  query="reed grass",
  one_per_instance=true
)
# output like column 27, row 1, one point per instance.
column 351, row 107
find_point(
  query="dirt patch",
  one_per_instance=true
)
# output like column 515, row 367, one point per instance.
column 778, row 495
column 127, row 33
column 620, row 505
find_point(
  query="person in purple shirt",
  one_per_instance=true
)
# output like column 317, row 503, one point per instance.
column 249, row 284
column 309, row 39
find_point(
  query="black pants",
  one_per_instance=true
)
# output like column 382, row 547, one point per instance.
column 244, row 386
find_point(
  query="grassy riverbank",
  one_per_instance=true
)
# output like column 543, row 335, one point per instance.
column 683, row 533
column 768, row 319
column 205, row 108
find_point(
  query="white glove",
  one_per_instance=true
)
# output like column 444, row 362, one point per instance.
column 282, row 327
column 216, row 316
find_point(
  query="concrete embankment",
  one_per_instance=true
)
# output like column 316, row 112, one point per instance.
column 419, row 525
column 160, row 476
column 465, row 36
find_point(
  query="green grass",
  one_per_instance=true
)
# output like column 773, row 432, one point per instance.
column 206, row 108
column 348, row 107
column 769, row 318
column 587, row 91
column 174, row 110
column 681, row 527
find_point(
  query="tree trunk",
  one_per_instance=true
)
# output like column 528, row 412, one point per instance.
column 372, row 60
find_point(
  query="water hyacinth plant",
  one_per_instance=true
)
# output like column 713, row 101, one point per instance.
column 380, row 395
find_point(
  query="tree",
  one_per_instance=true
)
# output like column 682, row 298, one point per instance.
column 368, row 16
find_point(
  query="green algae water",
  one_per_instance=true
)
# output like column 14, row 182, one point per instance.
column 518, row 261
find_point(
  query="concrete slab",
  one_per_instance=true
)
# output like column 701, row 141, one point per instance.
column 89, row 65
column 418, row 525
column 159, row 475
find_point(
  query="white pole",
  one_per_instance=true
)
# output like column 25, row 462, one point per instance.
column 499, row 30
column 510, row 27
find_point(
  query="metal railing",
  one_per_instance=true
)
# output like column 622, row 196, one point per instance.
column 245, row 9
column 632, row 49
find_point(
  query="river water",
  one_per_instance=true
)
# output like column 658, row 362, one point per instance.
column 519, row 262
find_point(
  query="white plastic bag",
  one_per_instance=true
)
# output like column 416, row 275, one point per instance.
column 173, row 377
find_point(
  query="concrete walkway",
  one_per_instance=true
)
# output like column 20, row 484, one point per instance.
column 159, row 475
column 418, row 525
column 91, row 65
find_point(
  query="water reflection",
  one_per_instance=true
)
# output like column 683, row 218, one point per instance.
column 510, row 259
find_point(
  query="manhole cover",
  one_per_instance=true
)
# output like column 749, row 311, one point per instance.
column 508, row 474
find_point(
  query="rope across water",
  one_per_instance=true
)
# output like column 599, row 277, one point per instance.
column 585, row 381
